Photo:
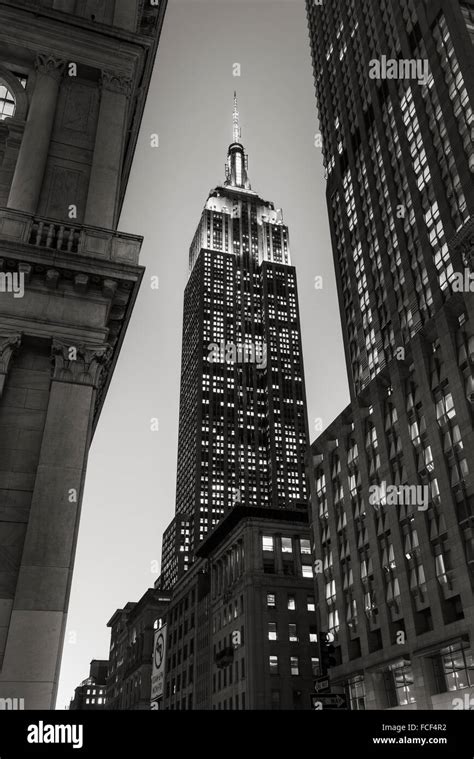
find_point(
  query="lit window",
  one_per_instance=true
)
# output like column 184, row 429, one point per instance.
column 286, row 545
column 271, row 600
column 356, row 688
column 273, row 663
column 7, row 102
column 294, row 665
column 307, row 570
column 272, row 631
column 292, row 634
column 267, row 542
column 291, row 603
column 310, row 603
column 305, row 546
column 401, row 684
column 458, row 667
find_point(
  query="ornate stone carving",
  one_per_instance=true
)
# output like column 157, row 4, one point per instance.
column 50, row 65
column 8, row 345
column 80, row 364
column 114, row 81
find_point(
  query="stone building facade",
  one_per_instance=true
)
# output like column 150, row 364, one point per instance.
column 90, row 695
column 132, row 631
column 241, row 624
column 392, row 477
column 73, row 81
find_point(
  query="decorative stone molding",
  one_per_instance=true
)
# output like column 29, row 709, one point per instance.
column 79, row 364
column 8, row 345
column 50, row 65
column 26, row 270
column 114, row 81
column 109, row 288
column 52, row 278
column 81, row 282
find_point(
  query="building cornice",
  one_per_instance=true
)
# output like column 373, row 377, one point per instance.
column 240, row 513
column 109, row 276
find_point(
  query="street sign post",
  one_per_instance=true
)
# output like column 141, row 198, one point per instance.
column 324, row 701
column 322, row 683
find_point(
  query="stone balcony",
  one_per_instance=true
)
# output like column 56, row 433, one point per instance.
column 50, row 235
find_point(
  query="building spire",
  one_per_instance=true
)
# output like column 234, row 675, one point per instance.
column 236, row 120
column 236, row 167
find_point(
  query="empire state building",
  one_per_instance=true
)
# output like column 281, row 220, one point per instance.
column 242, row 424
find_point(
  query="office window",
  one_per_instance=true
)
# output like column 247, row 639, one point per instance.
column 356, row 688
column 307, row 570
column 310, row 603
column 305, row 546
column 313, row 634
column 271, row 600
column 286, row 545
column 291, row 603
column 292, row 634
column 294, row 665
column 399, row 684
column 272, row 631
column 273, row 663
column 458, row 667
column 267, row 542
column 315, row 666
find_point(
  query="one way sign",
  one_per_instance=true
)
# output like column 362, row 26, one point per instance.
column 325, row 701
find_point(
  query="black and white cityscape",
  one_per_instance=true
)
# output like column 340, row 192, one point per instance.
column 277, row 434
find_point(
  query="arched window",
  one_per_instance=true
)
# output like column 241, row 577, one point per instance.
column 7, row 102
column 12, row 95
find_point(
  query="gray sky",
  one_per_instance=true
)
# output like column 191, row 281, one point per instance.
column 130, row 487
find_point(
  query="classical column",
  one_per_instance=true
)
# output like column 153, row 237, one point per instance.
column 67, row 6
column 125, row 14
column 8, row 345
column 31, row 162
column 106, row 170
column 36, row 631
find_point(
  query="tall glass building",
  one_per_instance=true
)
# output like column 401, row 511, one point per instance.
column 392, row 477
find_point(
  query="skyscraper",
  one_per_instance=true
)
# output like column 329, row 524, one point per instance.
column 242, row 422
column 392, row 476
column 73, row 82
column 241, row 627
